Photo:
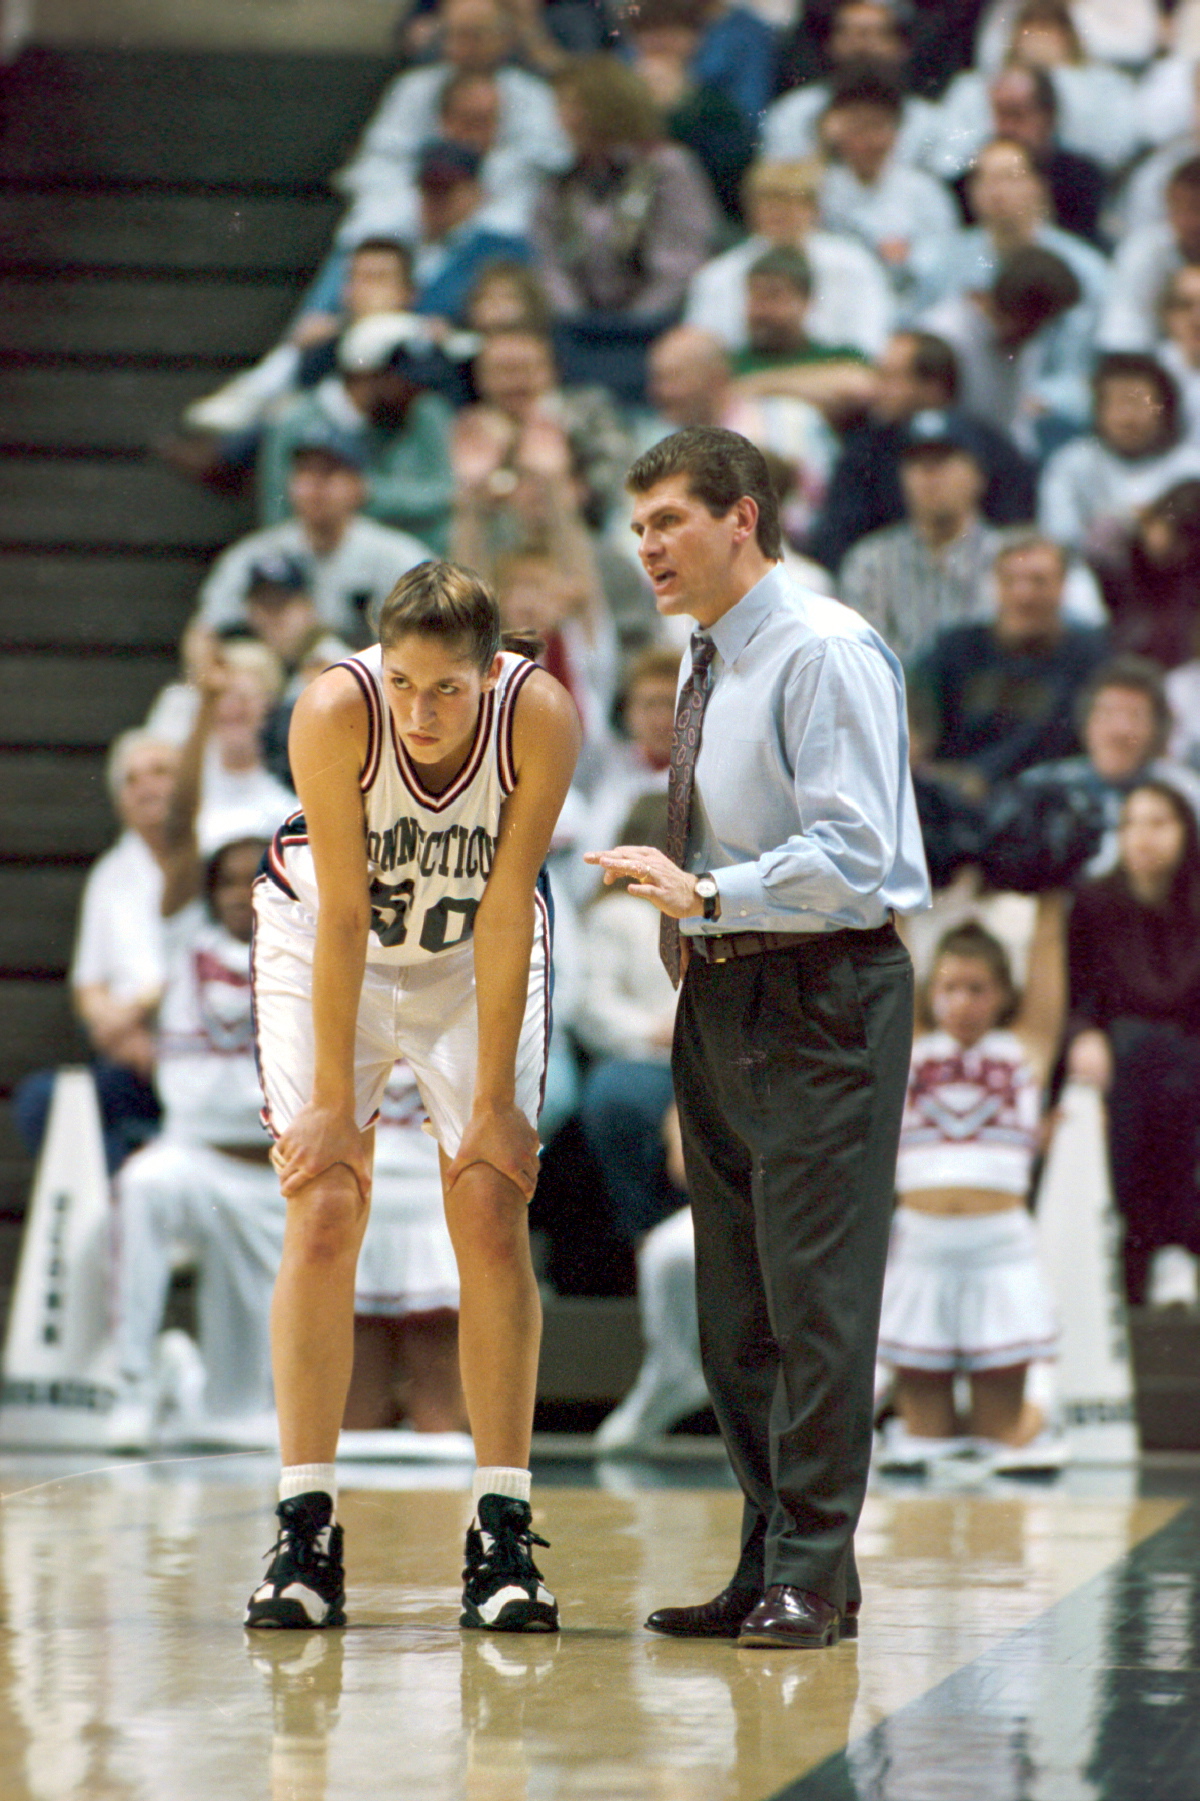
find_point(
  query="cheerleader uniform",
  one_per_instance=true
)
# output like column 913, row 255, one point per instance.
column 965, row 1292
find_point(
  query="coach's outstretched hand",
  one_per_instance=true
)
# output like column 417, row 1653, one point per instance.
column 318, row 1138
column 502, row 1137
column 651, row 876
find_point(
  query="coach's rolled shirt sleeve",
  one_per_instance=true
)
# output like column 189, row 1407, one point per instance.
column 804, row 750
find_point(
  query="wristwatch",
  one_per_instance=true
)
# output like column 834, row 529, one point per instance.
column 710, row 894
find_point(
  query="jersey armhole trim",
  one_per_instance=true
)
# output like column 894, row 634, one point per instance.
column 504, row 730
column 370, row 694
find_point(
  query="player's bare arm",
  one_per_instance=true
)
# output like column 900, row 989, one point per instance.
column 327, row 747
column 546, row 739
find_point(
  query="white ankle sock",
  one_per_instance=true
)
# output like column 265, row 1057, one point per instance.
column 307, row 1479
column 498, row 1479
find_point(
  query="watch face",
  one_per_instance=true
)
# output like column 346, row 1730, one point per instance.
column 706, row 888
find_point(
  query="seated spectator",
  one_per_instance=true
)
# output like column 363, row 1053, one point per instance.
column 620, row 234
column 867, row 191
column 117, row 970
column 239, row 796
column 550, row 589
column 912, row 580
column 860, row 31
column 406, row 1286
column 380, row 416
column 350, row 563
column 1151, row 579
column 1023, row 348
column 1145, row 261
column 1097, row 105
column 1093, row 488
column 471, row 114
column 456, row 242
column 852, row 301
column 206, row 1186
column 1010, row 204
column 1134, row 959
column 376, row 278
column 1124, row 723
column 517, row 383
column 624, row 1018
column 281, row 613
column 990, row 700
column 664, row 37
column 780, row 357
column 477, row 37
column 691, row 383
column 1025, row 109
column 508, row 297
column 637, row 763
column 1127, row 33
column 1179, row 349
column 916, row 373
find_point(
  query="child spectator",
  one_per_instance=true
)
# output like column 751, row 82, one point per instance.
column 1134, row 959
column 963, row 1291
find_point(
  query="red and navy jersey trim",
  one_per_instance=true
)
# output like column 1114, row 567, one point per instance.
column 437, row 803
column 370, row 694
column 294, row 830
column 504, row 735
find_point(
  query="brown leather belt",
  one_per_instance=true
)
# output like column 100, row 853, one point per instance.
column 720, row 947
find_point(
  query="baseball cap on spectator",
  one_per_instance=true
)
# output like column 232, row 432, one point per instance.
column 935, row 430
column 329, row 441
column 441, row 164
column 277, row 574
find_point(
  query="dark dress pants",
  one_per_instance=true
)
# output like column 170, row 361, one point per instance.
column 790, row 1073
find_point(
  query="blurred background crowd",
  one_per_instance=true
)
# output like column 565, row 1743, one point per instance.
column 940, row 261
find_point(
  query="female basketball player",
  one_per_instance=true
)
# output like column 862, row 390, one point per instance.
column 403, row 914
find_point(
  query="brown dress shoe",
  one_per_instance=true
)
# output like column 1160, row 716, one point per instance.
column 721, row 1617
column 791, row 1617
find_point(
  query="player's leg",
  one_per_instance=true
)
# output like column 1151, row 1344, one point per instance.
column 312, row 1309
column 500, row 1315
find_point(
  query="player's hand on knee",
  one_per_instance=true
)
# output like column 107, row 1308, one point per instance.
column 317, row 1139
column 502, row 1137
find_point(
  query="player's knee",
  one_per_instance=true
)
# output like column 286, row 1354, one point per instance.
column 488, row 1220
column 326, row 1218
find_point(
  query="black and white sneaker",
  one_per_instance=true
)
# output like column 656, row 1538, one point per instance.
column 502, row 1586
column 305, row 1585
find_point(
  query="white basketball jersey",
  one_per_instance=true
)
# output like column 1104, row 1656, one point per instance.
column 428, row 855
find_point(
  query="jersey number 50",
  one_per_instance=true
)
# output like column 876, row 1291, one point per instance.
column 446, row 924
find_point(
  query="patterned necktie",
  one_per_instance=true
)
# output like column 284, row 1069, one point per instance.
column 684, row 749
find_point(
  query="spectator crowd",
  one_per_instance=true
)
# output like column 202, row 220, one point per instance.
column 940, row 262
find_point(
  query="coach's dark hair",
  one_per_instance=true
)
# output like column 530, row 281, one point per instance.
column 444, row 600
column 721, row 468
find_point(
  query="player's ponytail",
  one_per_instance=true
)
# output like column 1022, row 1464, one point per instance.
column 444, row 600
column 525, row 643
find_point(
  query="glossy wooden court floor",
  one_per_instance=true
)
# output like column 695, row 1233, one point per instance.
column 1017, row 1646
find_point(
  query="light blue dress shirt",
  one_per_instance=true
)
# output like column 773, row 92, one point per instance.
column 803, row 805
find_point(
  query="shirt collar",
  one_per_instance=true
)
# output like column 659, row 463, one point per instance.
column 734, row 629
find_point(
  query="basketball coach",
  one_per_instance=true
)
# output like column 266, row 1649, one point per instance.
column 792, row 842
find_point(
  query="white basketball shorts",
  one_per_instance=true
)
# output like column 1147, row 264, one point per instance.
column 423, row 1011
